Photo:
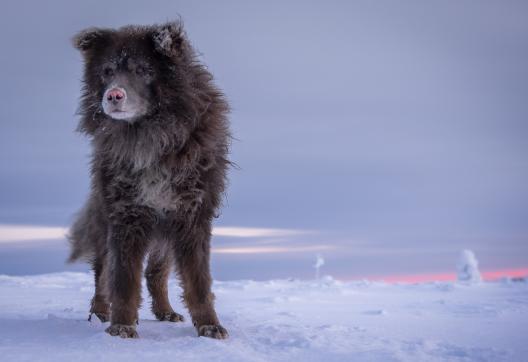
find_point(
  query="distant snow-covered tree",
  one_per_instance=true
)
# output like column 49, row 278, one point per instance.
column 467, row 268
column 319, row 262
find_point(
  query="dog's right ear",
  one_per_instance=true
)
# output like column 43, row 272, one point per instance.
column 90, row 38
column 169, row 38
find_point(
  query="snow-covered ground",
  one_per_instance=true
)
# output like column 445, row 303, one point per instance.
column 43, row 318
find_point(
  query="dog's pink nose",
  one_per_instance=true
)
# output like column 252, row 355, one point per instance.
column 115, row 95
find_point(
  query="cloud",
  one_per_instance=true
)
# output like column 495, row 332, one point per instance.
column 13, row 233
column 271, row 249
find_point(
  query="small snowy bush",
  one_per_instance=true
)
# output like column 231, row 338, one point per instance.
column 319, row 262
column 467, row 268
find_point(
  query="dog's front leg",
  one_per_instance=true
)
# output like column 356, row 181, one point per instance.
column 193, row 265
column 127, row 244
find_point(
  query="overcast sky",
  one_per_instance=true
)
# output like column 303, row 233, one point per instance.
column 393, row 126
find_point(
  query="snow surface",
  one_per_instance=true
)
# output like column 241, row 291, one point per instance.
column 43, row 318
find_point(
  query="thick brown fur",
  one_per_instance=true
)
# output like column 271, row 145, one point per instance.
column 156, row 182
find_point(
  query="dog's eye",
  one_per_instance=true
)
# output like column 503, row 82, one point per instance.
column 108, row 71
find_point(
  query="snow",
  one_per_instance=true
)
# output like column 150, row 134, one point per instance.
column 467, row 268
column 43, row 318
column 319, row 262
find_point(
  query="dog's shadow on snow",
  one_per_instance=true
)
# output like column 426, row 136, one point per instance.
column 55, row 329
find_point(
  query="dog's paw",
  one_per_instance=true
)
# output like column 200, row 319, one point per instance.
column 213, row 331
column 103, row 317
column 122, row 331
column 169, row 317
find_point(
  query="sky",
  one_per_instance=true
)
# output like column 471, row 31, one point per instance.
column 388, row 136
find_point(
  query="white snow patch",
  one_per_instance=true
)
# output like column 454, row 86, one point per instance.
column 43, row 318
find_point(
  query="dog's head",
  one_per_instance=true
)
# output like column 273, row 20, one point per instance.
column 133, row 71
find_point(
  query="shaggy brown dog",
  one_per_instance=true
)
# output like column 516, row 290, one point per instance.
column 160, row 139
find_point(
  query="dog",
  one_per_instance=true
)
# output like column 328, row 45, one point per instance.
column 159, row 131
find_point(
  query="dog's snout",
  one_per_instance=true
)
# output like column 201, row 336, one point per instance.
column 115, row 95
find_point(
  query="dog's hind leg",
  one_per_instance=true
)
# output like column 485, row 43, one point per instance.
column 157, row 275
column 100, row 306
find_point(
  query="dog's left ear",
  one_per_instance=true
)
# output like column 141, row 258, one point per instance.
column 90, row 38
column 169, row 38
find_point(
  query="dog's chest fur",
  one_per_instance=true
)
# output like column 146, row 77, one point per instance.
column 167, row 187
column 164, row 179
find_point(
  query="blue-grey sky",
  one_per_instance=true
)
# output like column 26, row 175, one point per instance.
column 395, row 131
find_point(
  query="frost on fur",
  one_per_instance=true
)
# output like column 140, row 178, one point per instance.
column 467, row 268
column 163, row 39
column 168, row 38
